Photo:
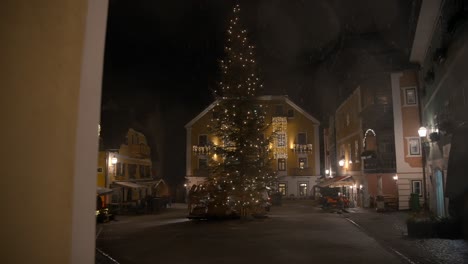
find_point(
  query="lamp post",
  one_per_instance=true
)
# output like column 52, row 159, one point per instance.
column 422, row 131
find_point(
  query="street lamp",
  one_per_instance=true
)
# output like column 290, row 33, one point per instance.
column 422, row 131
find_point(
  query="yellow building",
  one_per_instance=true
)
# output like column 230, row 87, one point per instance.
column 128, row 171
column 295, row 150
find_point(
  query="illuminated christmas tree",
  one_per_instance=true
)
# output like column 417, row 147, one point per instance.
column 240, row 171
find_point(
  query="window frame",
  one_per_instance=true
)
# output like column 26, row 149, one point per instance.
column 281, row 139
column 282, row 161
column 299, row 162
column 299, row 189
column 411, row 153
column 413, row 183
column 305, row 138
column 200, row 141
column 285, row 185
column 414, row 101
column 206, row 162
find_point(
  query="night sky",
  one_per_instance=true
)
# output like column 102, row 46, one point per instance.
column 161, row 60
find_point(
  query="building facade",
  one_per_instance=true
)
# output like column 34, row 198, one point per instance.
column 128, row 172
column 295, row 150
column 440, row 48
column 377, row 143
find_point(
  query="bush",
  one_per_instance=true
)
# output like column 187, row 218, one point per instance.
column 425, row 225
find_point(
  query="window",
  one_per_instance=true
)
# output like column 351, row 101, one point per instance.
column 142, row 170
column 417, row 187
column 281, row 164
column 290, row 113
column 119, row 169
column 202, row 163
column 283, row 188
column 410, row 96
column 202, row 140
column 356, row 151
column 414, row 146
column 132, row 168
column 148, row 171
column 301, row 138
column 303, row 189
column 350, row 152
column 302, row 163
column 281, row 139
column 278, row 110
column 347, row 119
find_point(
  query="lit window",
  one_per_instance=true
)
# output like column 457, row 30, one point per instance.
column 281, row 164
column 283, row 188
column 281, row 139
column 302, row 189
column 302, row 163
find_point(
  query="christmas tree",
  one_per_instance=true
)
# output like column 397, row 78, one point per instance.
column 240, row 171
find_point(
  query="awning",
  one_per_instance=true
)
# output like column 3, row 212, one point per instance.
column 129, row 185
column 103, row 191
column 336, row 181
column 457, row 182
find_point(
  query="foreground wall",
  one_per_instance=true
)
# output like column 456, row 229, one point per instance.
column 50, row 73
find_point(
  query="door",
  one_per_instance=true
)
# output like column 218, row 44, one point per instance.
column 439, row 193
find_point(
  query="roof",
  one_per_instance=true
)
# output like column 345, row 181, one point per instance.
column 103, row 191
column 129, row 184
column 336, row 181
column 262, row 98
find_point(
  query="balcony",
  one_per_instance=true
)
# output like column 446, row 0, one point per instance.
column 378, row 164
column 302, row 148
column 302, row 172
column 201, row 150
column 201, row 172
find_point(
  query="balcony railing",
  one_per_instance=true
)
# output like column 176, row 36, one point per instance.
column 302, row 172
column 376, row 165
column 201, row 150
column 302, row 148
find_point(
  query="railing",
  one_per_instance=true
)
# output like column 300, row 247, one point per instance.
column 302, row 148
column 376, row 165
column 202, row 149
column 302, row 172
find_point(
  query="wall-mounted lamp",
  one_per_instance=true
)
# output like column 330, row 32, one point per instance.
column 422, row 131
column 327, row 172
column 341, row 162
column 360, row 186
column 395, row 177
column 114, row 160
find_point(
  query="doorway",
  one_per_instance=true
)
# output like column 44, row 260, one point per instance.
column 439, row 193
